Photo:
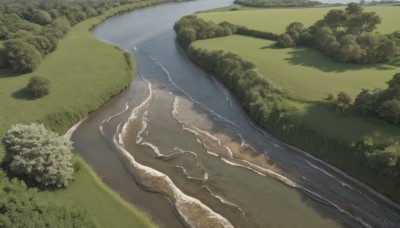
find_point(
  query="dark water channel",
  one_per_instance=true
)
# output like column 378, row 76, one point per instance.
column 178, row 145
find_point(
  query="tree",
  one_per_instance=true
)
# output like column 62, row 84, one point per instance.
column 41, row 43
column 284, row 41
column 39, row 86
column 354, row 9
column 294, row 30
column 349, row 50
column 343, row 102
column 38, row 154
column 22, row 57
column 335, row 18
column 23, row 207
column 390, row 111
column 364, row 22
column 41, row 17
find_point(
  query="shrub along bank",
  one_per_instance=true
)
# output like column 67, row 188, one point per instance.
column 371, row 162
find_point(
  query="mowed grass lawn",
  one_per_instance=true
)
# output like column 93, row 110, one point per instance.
column 310, row 75
column 276, row 20
column 84, row 72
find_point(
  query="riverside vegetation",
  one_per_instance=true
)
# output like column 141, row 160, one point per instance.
column 364, row 147
column 52, row 39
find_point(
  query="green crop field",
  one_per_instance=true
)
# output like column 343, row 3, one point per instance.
column 304, row 72
column 276, row 20
column 309, row 74
column 84, row 73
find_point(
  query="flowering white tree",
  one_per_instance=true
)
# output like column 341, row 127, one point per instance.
column 39, row 154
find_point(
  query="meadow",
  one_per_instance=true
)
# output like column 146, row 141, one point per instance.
column 309, row 75
column 84, row 73
column 304, row 72
column 276, row 20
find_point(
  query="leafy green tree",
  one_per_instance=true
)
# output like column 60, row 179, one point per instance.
column 41, row 43
column 353, row 9
column 335, row 19
column 284, row 41
column 343, row 103
column 21, row 56
column 41, row 17
column 349, row 50
column 38, row 154
column 364, row 22
column 38, row 86
column 390, row 111
column 294, row 30
column 366, row 102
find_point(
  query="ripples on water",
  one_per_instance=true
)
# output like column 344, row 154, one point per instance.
column 181, row 134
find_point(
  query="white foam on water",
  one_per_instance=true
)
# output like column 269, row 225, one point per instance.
column 153, row 147
column 119, row 113
column 135, row 48
column 190, row 97
column 330, row 175
column 186, row 151
column 223, row 90
column 71, row 131
column 182, row 202
column 205, row 177
column 224, row 201
column 274, row 175
column 136, row 110
column 187, row 175
column 139, row 136
column 358, row 219
column 213, row 154
column 242, row 166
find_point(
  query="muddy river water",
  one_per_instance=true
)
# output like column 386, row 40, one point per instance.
column 178, row 145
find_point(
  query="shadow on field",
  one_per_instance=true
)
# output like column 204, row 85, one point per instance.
column 7, row 73
column 310, row 57
column 23, row 94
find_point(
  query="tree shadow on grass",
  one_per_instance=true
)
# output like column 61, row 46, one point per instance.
column 23, row 94
column 6, row 73
column 310, row 57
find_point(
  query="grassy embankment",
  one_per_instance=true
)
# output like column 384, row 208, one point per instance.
column 307, row 75
column 84, row 73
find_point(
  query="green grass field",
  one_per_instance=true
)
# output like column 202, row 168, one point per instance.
column 304, row 72
column 106, row 207
column 84, row 73
column 276, row 20
column 309, row 74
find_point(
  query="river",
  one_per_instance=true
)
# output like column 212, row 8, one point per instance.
column 179, row 146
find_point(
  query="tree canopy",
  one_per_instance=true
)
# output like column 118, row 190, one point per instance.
column 38, row 154
column 348, row 36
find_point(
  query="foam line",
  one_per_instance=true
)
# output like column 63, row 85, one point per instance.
column 188, row 95
column 192, row 210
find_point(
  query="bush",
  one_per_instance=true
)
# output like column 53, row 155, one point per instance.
column 22, row 207
column 38, row 86
column 284, row 41
column 39, row 154
column 22, row 57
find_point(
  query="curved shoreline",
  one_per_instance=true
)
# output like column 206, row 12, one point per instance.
column 338, row 173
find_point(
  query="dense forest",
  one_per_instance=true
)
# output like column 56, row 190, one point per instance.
column 346, row 35
column 376, row 163
column 277, row 3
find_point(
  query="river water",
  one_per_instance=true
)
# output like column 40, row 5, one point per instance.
column 179, row 146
